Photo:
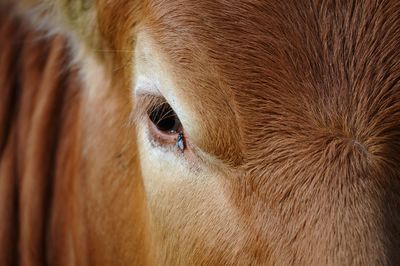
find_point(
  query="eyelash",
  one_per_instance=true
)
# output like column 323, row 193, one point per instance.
column 165, row 128
column 165, row 119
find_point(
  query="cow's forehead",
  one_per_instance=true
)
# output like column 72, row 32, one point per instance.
column 259, row 50
column 291, row 70
column 236, row 46
column 237, row 37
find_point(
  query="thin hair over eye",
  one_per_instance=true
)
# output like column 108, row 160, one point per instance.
column 145, row 103
column 156, row 109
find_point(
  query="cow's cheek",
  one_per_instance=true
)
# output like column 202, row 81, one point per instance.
column 190, row 212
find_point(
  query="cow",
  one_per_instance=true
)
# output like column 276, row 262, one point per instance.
column 213, row 132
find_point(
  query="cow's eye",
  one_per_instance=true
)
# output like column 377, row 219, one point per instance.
column 165, row 119
column 166, row 128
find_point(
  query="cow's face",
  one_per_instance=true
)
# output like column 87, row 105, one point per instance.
column 279, row 164
column 265, row 131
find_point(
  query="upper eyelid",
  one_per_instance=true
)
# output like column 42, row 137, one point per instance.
column 144, row 102
column 145, row 85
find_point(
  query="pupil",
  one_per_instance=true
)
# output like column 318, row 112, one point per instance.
column 165, row 118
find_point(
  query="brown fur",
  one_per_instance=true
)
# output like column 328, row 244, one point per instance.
column 299, row 103
column 37, row 82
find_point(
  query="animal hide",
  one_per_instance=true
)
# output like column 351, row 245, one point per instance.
column 39, row 96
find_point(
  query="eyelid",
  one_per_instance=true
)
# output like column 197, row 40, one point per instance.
column 147, row 103
column 144, row 102
column 145, row 85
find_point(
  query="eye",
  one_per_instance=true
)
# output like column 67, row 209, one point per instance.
column 166, row 128
column 165, row 119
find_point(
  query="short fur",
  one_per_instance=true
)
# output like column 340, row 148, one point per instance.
column 299, row 103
